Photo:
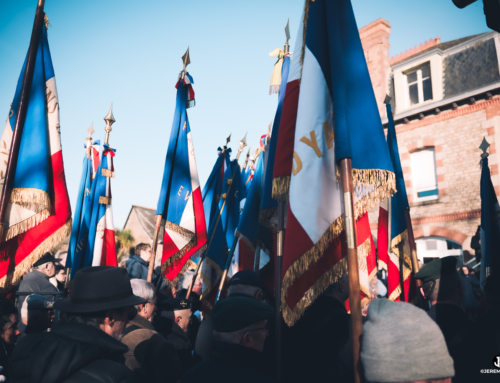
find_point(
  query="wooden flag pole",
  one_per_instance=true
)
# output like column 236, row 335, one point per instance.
column 158, row 218
column 279, row 268
column 352, row 264
column 21, row 114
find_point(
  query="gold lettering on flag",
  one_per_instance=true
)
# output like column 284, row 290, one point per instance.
column 296, row 170
column 180, row 190
column 312, row 143
column 185, row 125
column 103, row 200
column 87, row 191
column 329, row 135
column 187, row 195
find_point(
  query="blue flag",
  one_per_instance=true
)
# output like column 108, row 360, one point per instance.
column 490, row 223
column 90, row 162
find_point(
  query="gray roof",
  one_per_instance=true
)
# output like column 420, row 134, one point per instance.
column 146, row 218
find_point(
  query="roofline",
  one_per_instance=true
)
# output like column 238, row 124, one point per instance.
column 455, row 49
column 143, row 207
column 445, row 101
column 130, row 212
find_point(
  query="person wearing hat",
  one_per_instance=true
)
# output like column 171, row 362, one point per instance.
column 172, row 323
column 37, row 313
column 442, row 288
column 243, row 283
column 240, row 329
column 9, row 334
column 150, row 356
column 83, row 345
column 319, row 343
column 37, row 281
column 402, row 344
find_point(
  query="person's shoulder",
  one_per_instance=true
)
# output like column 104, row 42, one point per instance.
column 103, row 370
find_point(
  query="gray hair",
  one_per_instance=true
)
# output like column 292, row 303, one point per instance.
column 144, row 290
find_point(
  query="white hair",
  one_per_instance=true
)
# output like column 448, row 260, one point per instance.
column 143, row 289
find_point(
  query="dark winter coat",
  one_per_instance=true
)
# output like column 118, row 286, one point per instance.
column 456, row 329
column 151, row 357
column 178, row 338
column 232, row 363
column 137, row 267
column 5, row 354
column 470, row 283
column 35, row 282
column 70, row 353
column 317, row 347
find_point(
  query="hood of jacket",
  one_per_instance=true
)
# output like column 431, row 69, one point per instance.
column 56, row 355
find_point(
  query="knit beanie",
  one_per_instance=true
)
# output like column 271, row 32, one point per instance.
column 401, row 343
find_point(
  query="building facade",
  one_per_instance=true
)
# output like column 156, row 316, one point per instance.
column 445, row 98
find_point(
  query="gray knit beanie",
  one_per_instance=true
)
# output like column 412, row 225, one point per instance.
column 401, row 343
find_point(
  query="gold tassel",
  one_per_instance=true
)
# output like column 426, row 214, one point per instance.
column 31, row 199
column 12, row 278
column 27, row 224
column 188, row 235
column 281, row 186
column 103, row 200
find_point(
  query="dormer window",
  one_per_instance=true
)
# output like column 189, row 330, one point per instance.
column 419, row 84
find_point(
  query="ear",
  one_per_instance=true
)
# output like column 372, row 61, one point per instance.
column 109, row 319
column 259, row 295
column 143, row 308
column 246, row 340
column 178, row 319
column 422, row 292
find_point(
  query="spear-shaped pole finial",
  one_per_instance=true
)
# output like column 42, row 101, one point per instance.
column 287, row 34
column 243, row 143
column 484, row 147
column 88, row 140
column 228, row 139
column 185, row 61
column 110, row 120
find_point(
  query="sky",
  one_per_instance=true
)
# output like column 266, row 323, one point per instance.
column 129, row 53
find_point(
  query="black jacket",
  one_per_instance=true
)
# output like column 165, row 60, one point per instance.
column 232, row 363
column 316, row 347
column 35, row 282
column 70, row 353
column 178, row 338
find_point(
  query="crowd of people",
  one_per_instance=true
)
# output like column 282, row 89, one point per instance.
column 116, row 327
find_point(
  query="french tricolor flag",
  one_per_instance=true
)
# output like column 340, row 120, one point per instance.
column 180, row 203
column 336, row 117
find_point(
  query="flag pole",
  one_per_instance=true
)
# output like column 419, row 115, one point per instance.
column 21, row 114
column 352, row 264
column 202, row 257
column 256, row 261
column 158, row 218
column 279, row 254
column 243, row 143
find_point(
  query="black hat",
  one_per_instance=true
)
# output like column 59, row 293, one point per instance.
column 247, row 278
column 174, row 304
column 99, row 288
column 194, row 298
column 437, row 269
column 234, row 313
column 46, row 258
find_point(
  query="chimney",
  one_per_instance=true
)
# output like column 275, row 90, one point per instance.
column 375, row 42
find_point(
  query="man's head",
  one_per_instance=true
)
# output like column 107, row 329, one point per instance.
column 8, row 322
column 246, row 282
column 38, row 312
column 101, row 297
column 198, row 286
column 401, row 343
column 243, row 321
column 177, row 310
column 145, row 290
column 46, row 265
column 60, row 273
column 441, row 282
column 340, row 289
column 143, row 250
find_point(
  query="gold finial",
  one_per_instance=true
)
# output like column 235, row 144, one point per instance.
column 46, row 21
column 185, row 61
column 484, row 147
column 243, row 143
column 287, row 34
column 88, row 140
column 110, row 120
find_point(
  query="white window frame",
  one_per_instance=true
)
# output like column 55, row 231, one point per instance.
column 416, row 189
column 420, row 86
column 440, row 252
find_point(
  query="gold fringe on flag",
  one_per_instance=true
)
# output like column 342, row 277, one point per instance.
column 265, row 216
column 385, row 187
column 186, row 266
column 215, row 267
column 281, row 187
column 179, row 230
column 401, row 248
column 13, row 276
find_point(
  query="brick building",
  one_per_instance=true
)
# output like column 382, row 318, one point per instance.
column 445, row 98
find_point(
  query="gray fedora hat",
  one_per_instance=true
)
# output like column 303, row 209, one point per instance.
column 99, row 288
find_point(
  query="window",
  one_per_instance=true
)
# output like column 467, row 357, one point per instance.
column 419, row 84
column 431, row 248
column 423, row 173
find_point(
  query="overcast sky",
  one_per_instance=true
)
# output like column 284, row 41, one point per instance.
column 129, row 53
